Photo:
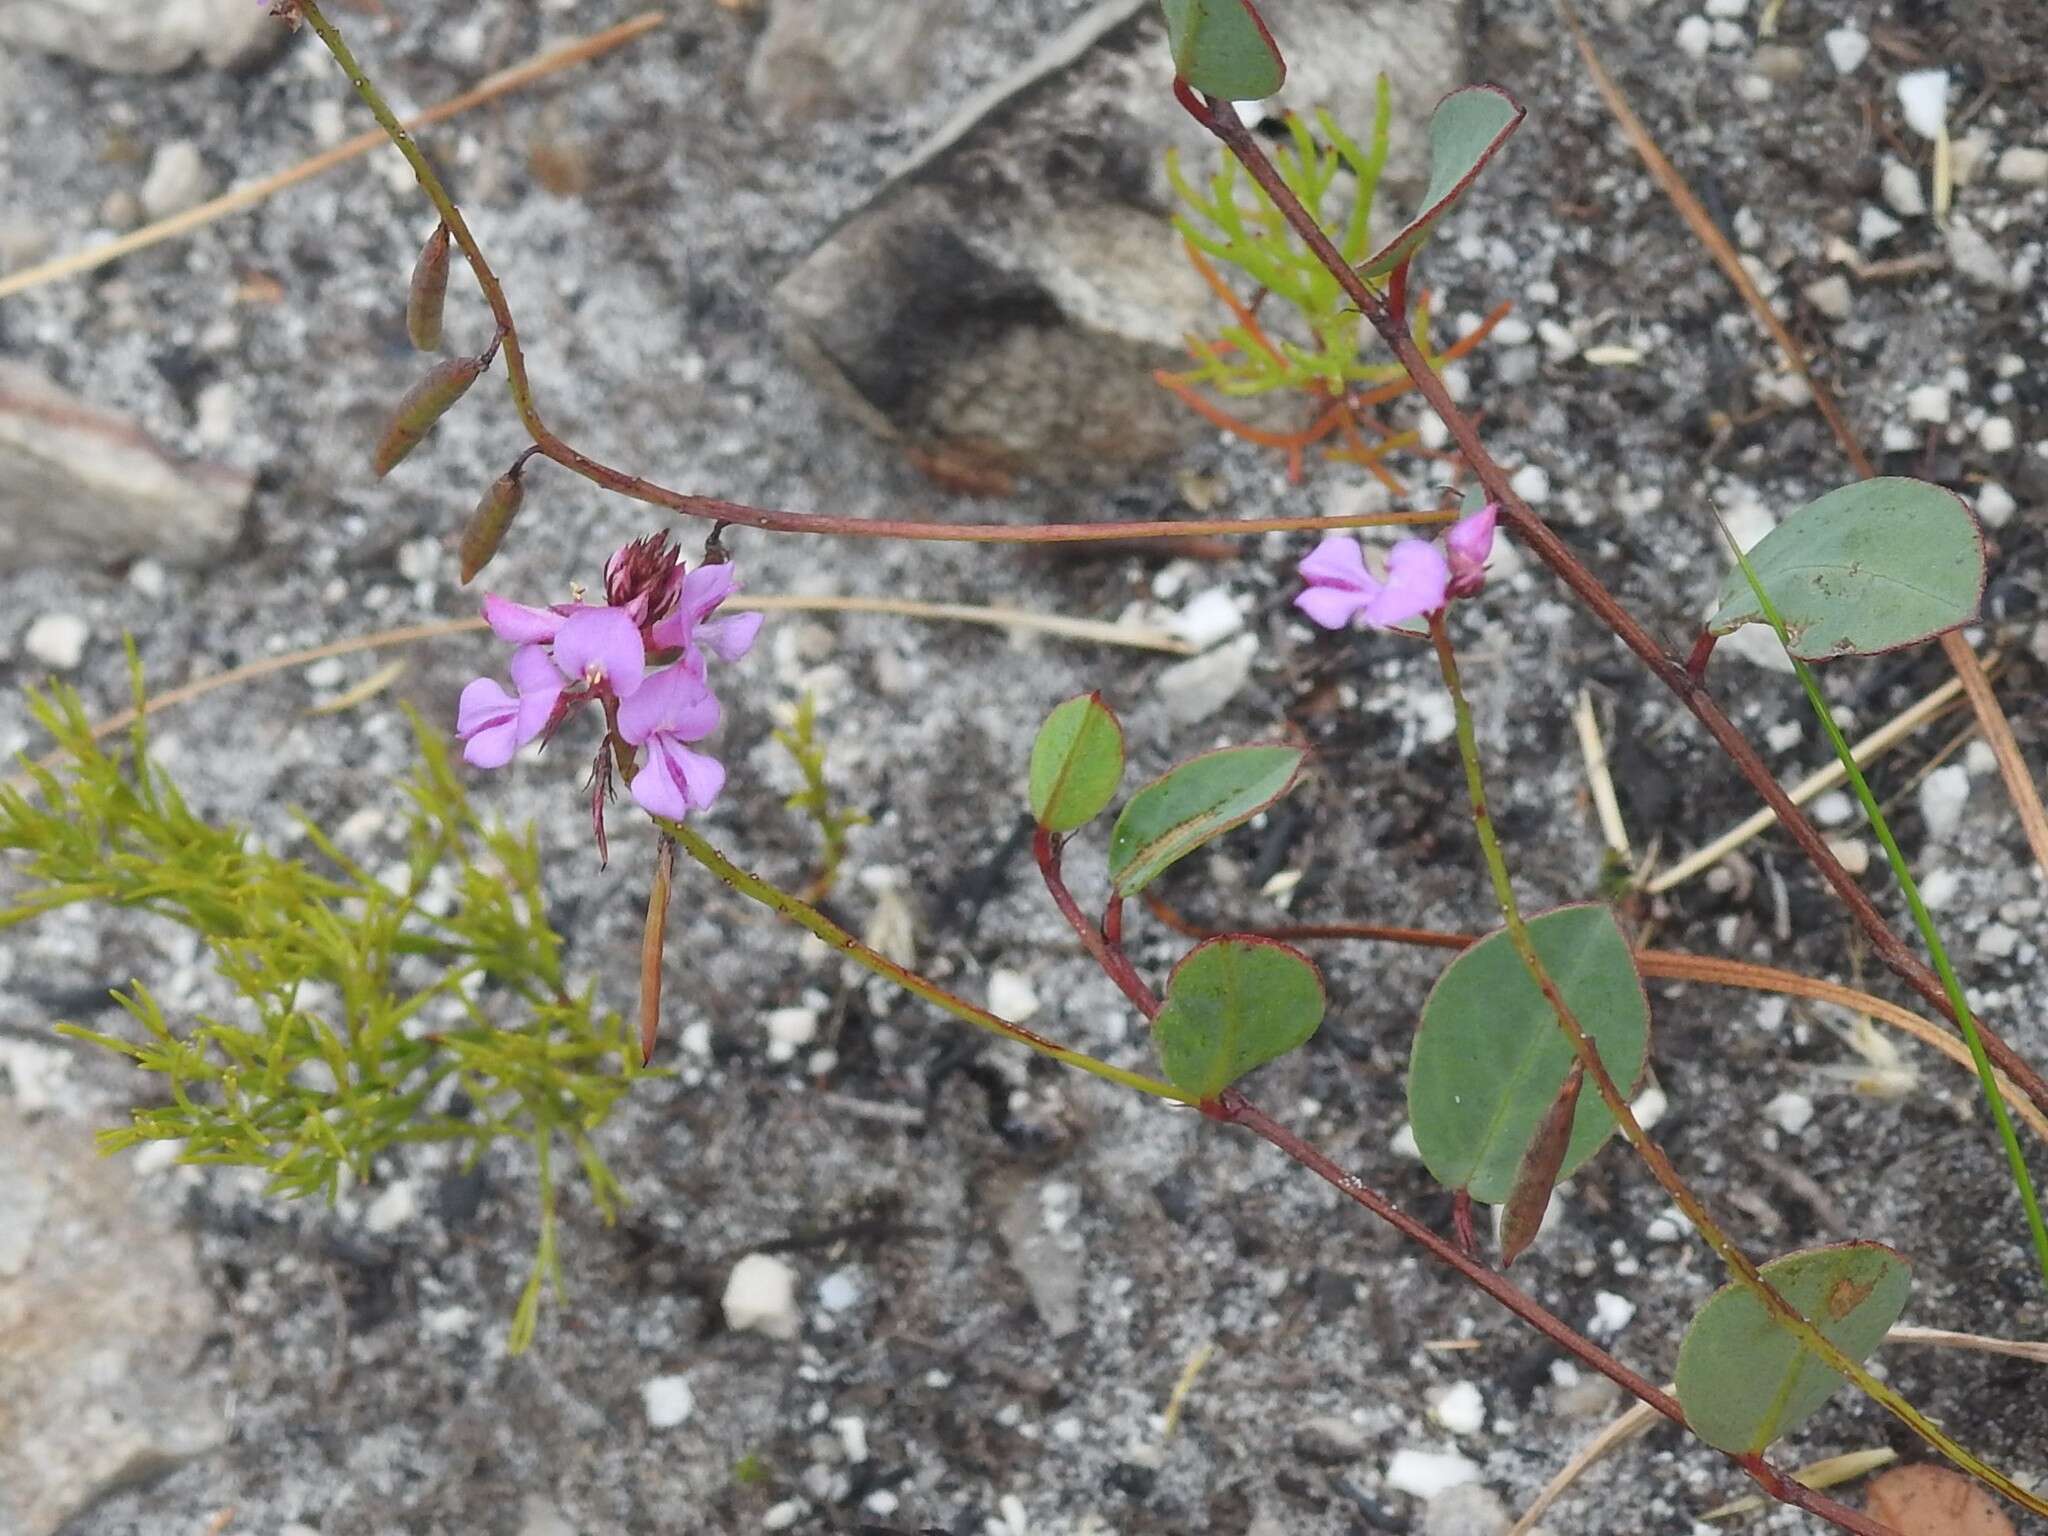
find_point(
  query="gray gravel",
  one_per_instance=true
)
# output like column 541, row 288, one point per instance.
column 1000, row 1270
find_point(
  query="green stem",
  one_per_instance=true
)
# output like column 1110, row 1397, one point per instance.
column 811, row 920
column 1666, row 1173
column 1951, row 984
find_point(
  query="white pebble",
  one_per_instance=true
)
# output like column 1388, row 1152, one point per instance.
column 1402, row 1143
column 177, row 179
column 839, row 1291
column 1995, row 504
column 395, row 1205
column 1532, row 483
column 1830, row 295
column 1998, row 940
column 1900, row 184
column 1790, row 1112
column 1785, row 735
column 2021, row 166
column 1942, row 796
column 1852, row 853
column 1560, row 341
column 669, row 1401
column 1874, row 225
column 1979, row 758
column 1977, row 259
column 1924, row 95
column 881, row 1502
column 1927, row 402
column 1212, row 616
column 1996, row 434
column 760, row 1297
column 1727, row 35
column 58, row 640
column 1426, row 1474
column 1460, row 1409
column 148, row 578
column 1695, row 36
column 780, row 1517
column 789, row 1031
column 1650, row 1106
column 1940, row 888
column 853, row 1438
column 1846, row 48
column 1833, row 808
column 1011, row 994
column 1611, row 1314
column 1728, row 10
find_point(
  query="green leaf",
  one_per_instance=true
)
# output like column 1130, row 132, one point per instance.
column 1076, row 763
column 1467, row 129
column 1870, row 567
column 1222, row 48
column 1743, row 1380
column 1187, row 806
column 1233, row 1004
column 1490, row 1060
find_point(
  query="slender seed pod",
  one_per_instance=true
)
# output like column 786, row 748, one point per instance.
column 490, row 522
column 1522, row 1217
column 424, row 404
column 429, row 293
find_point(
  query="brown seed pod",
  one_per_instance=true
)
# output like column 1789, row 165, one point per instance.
column 429, row 293
column 489, row 523
column 424, row 404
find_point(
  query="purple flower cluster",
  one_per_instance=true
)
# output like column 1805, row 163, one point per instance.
column 617, row 654
column 1421, row 578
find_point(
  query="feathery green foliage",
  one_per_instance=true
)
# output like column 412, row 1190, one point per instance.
column 800, row 739
column 424, row 1004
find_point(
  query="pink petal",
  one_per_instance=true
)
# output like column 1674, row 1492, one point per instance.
column 1470, row 540
column 704, row 589
column 674, row 780
column 1337, row 562
column 730, row 639
column 674, row 702
column 603, row 645
column 1417, row 575
column 486, row 722
column 1330, row 607
column 519, row 624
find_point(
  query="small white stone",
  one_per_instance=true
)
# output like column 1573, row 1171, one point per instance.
column 177, row 179
column 1195, row 689
column 1927, row 402
column 395, row 1205
column 853, row 1438
column 1611, row 1314
column 58, row 640
column 1532, row 483
column 2022, row 166
column 1426, row 1474
column 1460, row 1409
column 1662, row 1229
column 1833, row 808
column 1694, row 37
column 1514, row 331
column 882, row 1502
column 1977, row 259
column 839, row 1291
column 1940, row 887
column 1923, row 94
column 1830, row 295
column 327, row 672
column 1011, row 994
column 1942, row 796
column 1995, row 434
column 1728, row 35
column 760, row 1297
column 1790, row 1112
column 1979, row 758
column 2010, row 365
column 1874, row 225
column 1900, row 185
column 668, row 1400
column 1785, row 735
column 1728, row 10
column 1852, row 853
column 1998, row 940
column 1560, row 341
column 1755, row 88
column 789, row 1031
column 1650, row 1106
column 780, row 1517
column 1212, row 616
column 148, row 578
column 1402, row 1143
column 1995, row 504
column 1846, row 48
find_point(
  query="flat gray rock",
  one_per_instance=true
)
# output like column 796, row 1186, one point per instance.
column 129, row 39
column 101, row 1309
column 78, row 483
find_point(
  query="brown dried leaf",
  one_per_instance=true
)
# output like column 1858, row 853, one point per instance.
column 1933, row 1501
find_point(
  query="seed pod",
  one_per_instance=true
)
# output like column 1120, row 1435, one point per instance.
column 429, row 293
column 490, row 522
column 424, row 404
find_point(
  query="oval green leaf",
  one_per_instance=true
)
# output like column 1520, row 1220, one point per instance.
column 1222, row 48
column 1743, row 1380
column 1233, row 1004
column 1870, row 567
column 1489, row 1057
column 1467, row 129
column 1076, row 763
column 1187, row 806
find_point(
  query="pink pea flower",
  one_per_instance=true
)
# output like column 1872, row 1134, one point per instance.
column 492, row 724
column 671, row 709
column 1341, row 590
column 690, row 627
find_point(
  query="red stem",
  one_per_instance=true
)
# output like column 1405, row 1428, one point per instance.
column 1107, row 953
